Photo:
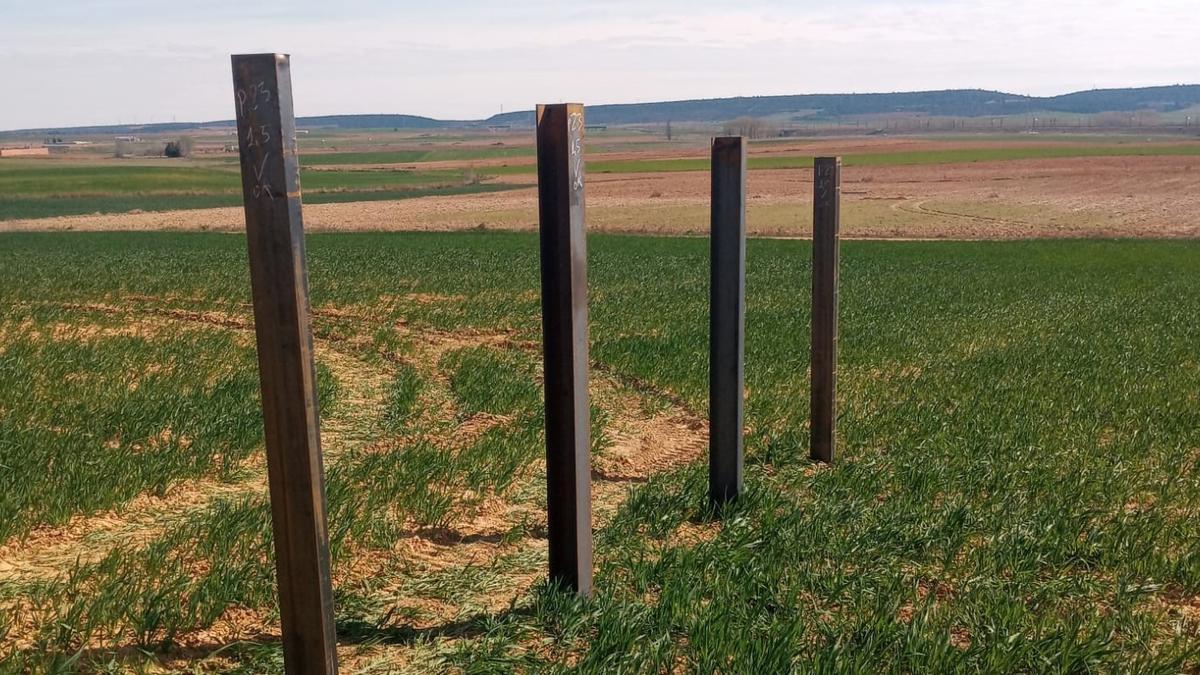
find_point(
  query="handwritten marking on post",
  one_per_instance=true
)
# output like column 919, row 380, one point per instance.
column 261, row 137
column 257, row 94
column 575, row 125
column 261, row 187
column 824, row 180
column 257, row 136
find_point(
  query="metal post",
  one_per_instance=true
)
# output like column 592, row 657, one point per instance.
column 279, row 284
column 565, row 343
column 727, row 311
column 827, row 192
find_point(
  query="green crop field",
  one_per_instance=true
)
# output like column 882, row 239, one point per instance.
column 414, row 156
column 1016, row 489
column 46, row 189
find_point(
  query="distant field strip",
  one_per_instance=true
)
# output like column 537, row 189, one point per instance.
column 414, row 156
column 922, row 157
column 32, row 189
column 45, row 190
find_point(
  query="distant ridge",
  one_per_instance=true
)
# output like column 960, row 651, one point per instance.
column 949, row 103
column 336, row 121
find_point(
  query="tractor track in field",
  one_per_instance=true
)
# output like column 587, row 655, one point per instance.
column 49, row 551
column 648, row 432
column 919, row 208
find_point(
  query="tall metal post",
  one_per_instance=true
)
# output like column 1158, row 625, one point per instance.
column 827, row 191
column 565, row 343
column 279, row 284
column 727, row 310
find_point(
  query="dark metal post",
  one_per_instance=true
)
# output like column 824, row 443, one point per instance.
column 727, row 314
column 565, row 343
column 827, row 192
column 275, row 234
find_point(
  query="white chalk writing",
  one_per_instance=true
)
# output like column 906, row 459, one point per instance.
column 825, row 180
column 575, row 127
column 257, row 94
column 260, row 137
column 262, row 187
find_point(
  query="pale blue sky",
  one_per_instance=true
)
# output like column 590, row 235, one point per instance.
column 69, row 62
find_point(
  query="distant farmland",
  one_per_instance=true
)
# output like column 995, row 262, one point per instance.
column 47, row 188
column 916, row 186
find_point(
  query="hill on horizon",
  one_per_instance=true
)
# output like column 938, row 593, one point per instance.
column 945, row 103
